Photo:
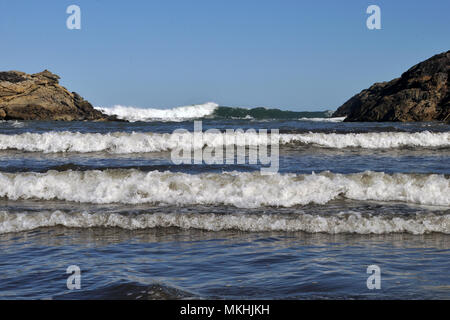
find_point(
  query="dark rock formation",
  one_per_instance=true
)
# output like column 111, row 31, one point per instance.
column 420, row 94
column 40, row 97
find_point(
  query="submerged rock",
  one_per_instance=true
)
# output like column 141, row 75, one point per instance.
column 420, row 94
column 40, row 97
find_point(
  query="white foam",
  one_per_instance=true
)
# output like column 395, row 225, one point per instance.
column 342, row 222
column 150, row 114
column 335, row 119
column 372, row 140
column 240, row 189
column 121, row 142
column 13, row 123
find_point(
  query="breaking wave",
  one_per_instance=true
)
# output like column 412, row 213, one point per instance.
column 334, row 119
column 212, row 110
column 136, row 142
column 151, row 114
column 342, row 222
column 239, row 189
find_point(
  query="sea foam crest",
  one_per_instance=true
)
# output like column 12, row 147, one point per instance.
column 240, row 189
column 148, row 114
column 137, row 142
column 330, row 119
column 342, row 222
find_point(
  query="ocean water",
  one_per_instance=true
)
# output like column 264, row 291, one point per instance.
column 109, row 199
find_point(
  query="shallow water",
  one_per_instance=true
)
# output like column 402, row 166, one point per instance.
column 112, row 202
column 169, row 263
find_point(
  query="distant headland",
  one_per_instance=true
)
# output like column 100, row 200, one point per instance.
column 40, row 97
column 420, row 94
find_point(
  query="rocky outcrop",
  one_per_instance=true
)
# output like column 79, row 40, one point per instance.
column 40, row 97
column 420, row 94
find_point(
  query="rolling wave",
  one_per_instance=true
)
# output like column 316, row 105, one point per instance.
column 239, row 189
column 136, row 142
column 342, row 222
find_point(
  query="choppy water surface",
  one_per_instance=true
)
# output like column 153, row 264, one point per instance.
column 107, row 198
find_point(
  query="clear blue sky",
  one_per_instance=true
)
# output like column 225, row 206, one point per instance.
column 297, row 55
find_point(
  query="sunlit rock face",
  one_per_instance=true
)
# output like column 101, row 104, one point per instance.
column 40, row 97
column 420, row 94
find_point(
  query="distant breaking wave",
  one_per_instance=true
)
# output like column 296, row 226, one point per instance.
column 239, row 189
column 211, row 110
column 136, row 142
column 150, row 114
column 335, row 119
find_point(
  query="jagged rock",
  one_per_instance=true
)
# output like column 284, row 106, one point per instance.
column 420, row 94
column 40, row 97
